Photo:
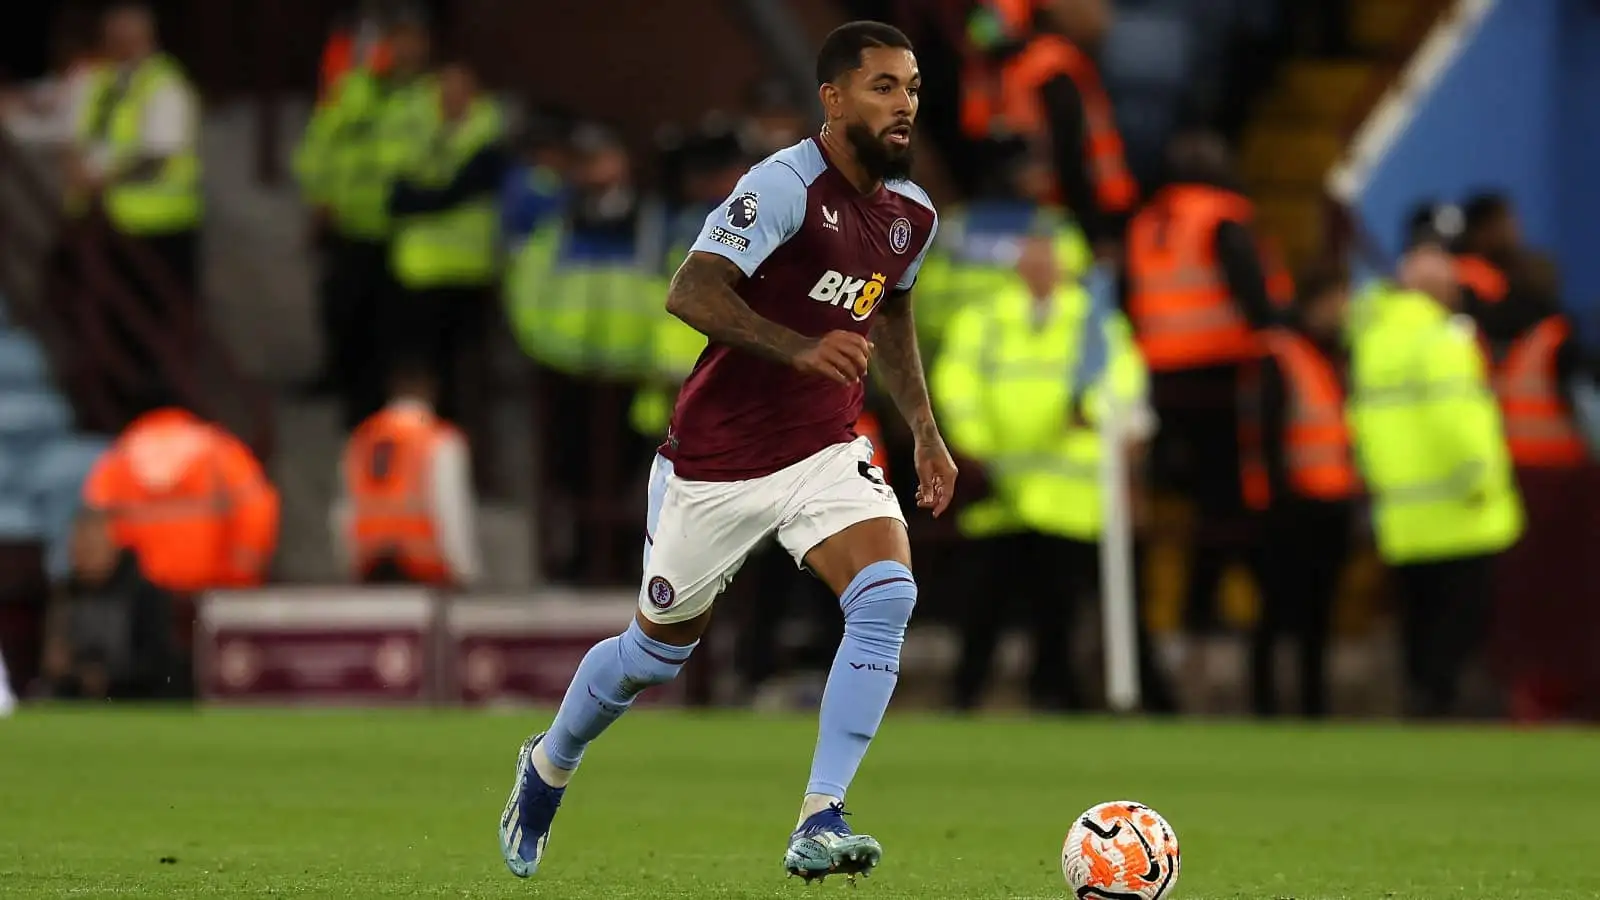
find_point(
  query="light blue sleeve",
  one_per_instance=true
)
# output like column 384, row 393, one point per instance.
column 910, row 277
column 764, row 210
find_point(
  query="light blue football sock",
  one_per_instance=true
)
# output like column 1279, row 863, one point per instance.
column 612, row 673
column 877, row 606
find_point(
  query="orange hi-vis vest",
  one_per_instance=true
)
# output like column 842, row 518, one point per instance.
column 1482, row 278
column 190, row 500
column 1280, row 283
column 1539, row 428
column 1183, row 315
column 344, row 52
column 1316, row 439
column 1008, row 101
column 387, row 469
column 868, row 427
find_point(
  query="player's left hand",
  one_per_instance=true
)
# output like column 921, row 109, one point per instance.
column 936, row 475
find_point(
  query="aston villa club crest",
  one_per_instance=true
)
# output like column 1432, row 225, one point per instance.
column 900, row 235
column 661, row 592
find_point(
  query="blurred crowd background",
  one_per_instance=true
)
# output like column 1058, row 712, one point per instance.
column 320, row 295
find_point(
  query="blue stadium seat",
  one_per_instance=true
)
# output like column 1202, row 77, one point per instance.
column 63, row 463
column 22, row 362
column 18, row 522
column 13, row 466
column 55, row 477
column 31, row 417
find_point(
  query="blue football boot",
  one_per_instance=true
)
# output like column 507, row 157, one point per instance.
column 525, row 824
column 823, row 845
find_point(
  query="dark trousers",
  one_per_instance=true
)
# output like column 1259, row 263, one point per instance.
column 1196, row 454
column 1444, row 614
column 1048, row 579
column 355, row 294
column 446, row 328
column 1303, row 550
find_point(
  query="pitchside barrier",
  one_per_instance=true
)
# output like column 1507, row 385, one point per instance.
column 382, row 646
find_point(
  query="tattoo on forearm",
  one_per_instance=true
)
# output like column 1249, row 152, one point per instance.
column 702, row 296
column 894, row 333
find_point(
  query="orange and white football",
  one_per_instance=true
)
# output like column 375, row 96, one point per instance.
column 1121, row 851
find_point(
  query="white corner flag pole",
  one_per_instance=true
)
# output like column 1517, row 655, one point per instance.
column 1119, row 605
column 8, row 697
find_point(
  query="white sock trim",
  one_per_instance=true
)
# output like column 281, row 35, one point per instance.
column 815, row 803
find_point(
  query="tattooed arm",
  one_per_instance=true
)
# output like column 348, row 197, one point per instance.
column 702, row 296
column 894, row 335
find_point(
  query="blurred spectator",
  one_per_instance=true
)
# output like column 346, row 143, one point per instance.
column 1432, row 451
column 535, row 187
column 188, row 498
column 44, row 111
column 1536, row 385
column 136, row 156
column 710, row 165
column 1004, row 384
column 1300, row 478
column 356, row 42
column 446, row 242
column 1084, row 22
column 975, row 252
column 405, row 512
column 1195, row 291
column 1508, row 286
column 109, row 634
column 1029, row 78
column 605, row 205
column 353, row 148
column 583, row 297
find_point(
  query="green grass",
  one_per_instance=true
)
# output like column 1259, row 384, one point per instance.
column 336, row 804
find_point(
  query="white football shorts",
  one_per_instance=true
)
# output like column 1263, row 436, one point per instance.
column 698, row 533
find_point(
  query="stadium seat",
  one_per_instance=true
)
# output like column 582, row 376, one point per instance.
column 18, row 521
column 22, row 363
column 54, row 479
column 63, row 463
column 13, row 467
column 29, row 418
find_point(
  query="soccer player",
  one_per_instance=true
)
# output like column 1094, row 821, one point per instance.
column 802, row 277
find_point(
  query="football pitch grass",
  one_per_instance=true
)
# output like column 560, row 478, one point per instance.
column 144, row 803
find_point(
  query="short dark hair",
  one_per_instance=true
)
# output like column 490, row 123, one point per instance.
column 1483, row 208
column 841, row 49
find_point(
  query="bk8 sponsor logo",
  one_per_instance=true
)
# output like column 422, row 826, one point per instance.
column 859, row 296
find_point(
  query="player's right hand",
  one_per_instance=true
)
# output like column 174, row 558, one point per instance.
column 838, row 355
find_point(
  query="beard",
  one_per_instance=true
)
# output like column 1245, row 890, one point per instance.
column 882, row 160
